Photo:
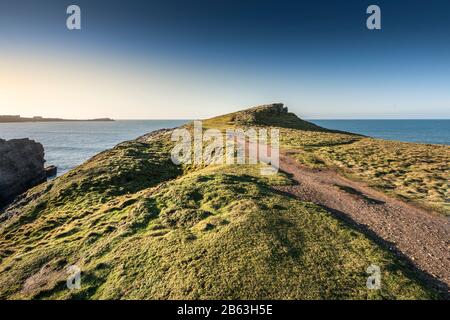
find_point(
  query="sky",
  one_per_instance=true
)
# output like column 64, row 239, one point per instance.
column 189, row 59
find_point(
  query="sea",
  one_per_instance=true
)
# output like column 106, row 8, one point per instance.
column 418, row 131
column 68, row 144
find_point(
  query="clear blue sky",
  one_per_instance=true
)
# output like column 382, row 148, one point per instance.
column 194, row 59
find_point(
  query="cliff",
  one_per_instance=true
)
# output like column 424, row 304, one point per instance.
column 21, row 167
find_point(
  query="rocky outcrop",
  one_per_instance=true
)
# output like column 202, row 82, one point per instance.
column 274, row 114
column 21, row 167
column 51, row 171
column 254, row 114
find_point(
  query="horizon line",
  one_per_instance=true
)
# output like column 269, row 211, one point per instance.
column 192, row 119
column 312, row 119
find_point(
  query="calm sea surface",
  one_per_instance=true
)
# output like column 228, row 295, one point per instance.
column 420, row 131
column 68, row 144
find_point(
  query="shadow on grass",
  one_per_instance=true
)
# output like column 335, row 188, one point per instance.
column 410, row 268
column 359, row 194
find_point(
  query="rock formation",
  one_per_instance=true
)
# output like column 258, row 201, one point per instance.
column 21, row 167
column 51, row 171
column 252, row 115
column 275, row 114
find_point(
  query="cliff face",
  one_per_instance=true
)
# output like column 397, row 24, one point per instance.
column 21, row 167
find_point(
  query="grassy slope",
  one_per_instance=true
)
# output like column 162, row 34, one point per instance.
column 141, row 227
column 415, row 172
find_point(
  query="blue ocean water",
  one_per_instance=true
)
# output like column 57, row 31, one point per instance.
column 68, row 144
column 419, row 131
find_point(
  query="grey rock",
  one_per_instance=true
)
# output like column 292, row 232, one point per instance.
column 21, row 167
column 262, row 112
column 51, row 171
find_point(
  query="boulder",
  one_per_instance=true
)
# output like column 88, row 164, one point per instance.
column 21, row 167
column 51, row 171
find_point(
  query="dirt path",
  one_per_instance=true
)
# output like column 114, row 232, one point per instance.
column 419, row 237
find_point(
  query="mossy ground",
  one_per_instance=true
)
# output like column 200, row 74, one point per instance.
column 140, row 227
column 418, row 173
column 414, row 172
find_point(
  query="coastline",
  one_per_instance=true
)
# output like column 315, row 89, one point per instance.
column 21, row 120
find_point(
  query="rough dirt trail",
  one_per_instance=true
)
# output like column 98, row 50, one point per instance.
column 419, row 237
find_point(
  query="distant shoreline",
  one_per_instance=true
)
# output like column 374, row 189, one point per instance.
column 15, row 119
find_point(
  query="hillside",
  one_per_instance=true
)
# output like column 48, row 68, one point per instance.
column 141, row 227
column 275, row 115
column 414, row 172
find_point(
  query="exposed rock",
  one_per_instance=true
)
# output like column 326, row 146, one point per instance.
column 252, row 115
column 21, row 167
column 274, row 114
column 51, row 171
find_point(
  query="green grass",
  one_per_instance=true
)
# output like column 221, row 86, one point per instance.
column 140, row 227
column 267, row 115
column 417, row 173
column 216, row 233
